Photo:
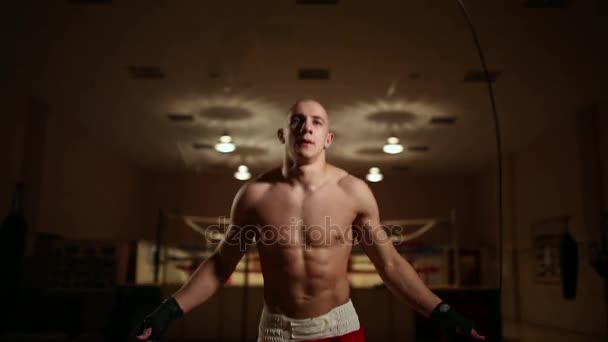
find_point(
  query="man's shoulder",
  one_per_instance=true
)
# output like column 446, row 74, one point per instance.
column 358, row 190
column 351, row 184
column 254, row 188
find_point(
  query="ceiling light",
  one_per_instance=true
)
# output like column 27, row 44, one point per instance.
column 242, row 173
column 374, row 175
column 392, row 146
column 225, row 144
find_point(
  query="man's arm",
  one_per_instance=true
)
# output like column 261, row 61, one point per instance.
column 398, row 275
column 209, row 276
column 215, row 270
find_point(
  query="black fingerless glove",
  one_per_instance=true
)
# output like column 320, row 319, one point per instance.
column 455, row 326
column 160, row 319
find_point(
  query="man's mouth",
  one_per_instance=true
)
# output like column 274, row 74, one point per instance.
column 305, row 142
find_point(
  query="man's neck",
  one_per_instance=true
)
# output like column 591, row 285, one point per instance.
column 309, row 175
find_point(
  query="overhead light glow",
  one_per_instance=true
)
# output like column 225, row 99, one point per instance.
column 374, row 175
column 225, row 144
column 392, row 146
column 242, row 173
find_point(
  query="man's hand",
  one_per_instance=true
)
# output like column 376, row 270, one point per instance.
column 455, row 326
column 155, row 324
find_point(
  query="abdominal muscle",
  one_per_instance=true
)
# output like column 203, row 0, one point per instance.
column 305, row 281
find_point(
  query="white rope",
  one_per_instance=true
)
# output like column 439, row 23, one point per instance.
column 419, row 232
column 200, row 224
column 209, row 234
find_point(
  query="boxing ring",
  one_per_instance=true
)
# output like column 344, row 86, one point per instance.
column 436, row 261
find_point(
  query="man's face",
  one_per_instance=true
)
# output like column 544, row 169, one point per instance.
column 307, row 132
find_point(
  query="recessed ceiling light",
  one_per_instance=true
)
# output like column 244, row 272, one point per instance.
column 374, row 175
column 179, row 117
column 392, row 146
column 320, row 74
column 225, row 144
column 201, row 146
column 242, row 173
column 146, row 72
column 443, row 120
column 418, row 148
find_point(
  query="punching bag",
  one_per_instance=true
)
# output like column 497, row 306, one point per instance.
column 13, row 232
column 568, row 256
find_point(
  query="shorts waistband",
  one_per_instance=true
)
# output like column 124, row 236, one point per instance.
column 339, row 321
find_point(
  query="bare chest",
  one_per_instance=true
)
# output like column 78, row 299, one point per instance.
column 320, row 218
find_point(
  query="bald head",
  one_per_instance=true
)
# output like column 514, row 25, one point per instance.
column 310, row 106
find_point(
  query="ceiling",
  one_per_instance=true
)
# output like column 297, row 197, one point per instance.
column 233, row 66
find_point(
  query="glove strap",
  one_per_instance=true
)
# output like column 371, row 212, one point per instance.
column 173, row 308
column 440, row 312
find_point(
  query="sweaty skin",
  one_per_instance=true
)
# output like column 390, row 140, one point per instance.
column 303, row 216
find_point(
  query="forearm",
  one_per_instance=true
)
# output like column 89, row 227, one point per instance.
column 403, row 281
column 203, row 284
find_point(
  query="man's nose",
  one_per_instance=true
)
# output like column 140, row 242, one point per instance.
column 306, row 126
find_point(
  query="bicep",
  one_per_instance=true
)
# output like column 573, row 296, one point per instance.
column 240, row 233
column 373, row 238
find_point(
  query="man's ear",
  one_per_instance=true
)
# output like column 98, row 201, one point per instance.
column 329, row 139
column 281, row 135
